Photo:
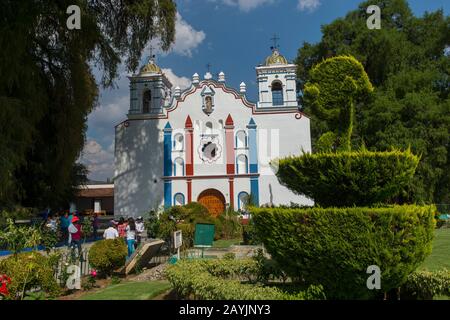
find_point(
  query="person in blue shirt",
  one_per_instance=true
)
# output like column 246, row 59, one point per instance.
column 64, row 224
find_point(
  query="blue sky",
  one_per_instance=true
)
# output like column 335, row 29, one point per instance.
column 234, row 37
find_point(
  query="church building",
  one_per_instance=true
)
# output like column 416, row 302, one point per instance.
column 208, row 143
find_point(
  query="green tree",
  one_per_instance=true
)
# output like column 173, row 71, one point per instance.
column 47, row 87
column 407, row 61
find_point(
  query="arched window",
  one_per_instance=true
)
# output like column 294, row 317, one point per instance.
column 178, row 167
column 178, row 142
column 241, row 139
column 277, row 93
column 178, row 199
column 243, row 199
column 209, row 128
column 146, row 101
column 241, row 164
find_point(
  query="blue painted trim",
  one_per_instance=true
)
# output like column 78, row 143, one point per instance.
column 238, row 198
column 167, row 150
column 252, row 145
column 175, row 195
column 254, row 190
column 167, row 194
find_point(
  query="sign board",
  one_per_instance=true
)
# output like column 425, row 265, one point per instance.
column 177, row 239
column 204, row 234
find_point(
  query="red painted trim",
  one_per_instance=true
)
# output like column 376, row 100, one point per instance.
column 189, row 163
column 229, row 121
column 220, row 176
column 229, row 136
column 231, row 182
column 225, row 89
column 189, row 190
column 188, row 123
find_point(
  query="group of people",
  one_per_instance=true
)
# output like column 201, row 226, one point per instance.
column 130, row 230
column 71, row 230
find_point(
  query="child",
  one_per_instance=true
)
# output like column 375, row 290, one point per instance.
column 131, row 236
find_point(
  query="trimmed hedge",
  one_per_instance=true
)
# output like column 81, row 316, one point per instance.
column 345, row 179
column 108, row 255
column 334, row 246
column 424, row 285
column 215, row 280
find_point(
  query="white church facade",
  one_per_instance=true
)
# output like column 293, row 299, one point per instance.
column 208, row 143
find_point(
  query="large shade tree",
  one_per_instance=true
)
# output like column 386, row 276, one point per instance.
column 408, row 62
column 47, row 85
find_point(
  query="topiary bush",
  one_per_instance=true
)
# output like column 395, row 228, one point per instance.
column 30, row 270
column 350, row 178
column 334, row 246
column 108, row 255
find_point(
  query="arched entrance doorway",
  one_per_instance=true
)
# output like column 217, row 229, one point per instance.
column 213, row 200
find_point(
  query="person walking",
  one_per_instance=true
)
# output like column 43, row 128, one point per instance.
column 131, row 236
column 122, row 229
column 95, row 225
column 111, row 232
column 140, row 229
column 76, row 231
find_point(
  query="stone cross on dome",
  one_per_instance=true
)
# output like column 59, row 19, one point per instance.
column 152, row 55
column 275, row 42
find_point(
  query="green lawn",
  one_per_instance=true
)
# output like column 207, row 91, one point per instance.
column 130, row 291
column 226, row 243
column 440, row 257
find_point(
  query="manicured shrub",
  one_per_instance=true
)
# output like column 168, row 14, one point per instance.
column 334, row 246
column 108, row 255
column 216, row 280
column 424, row 285
column 360, row 178
column 227, row 226
column 30, row 270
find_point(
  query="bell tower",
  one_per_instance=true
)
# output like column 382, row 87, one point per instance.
column 150, row 91
column 277, row 85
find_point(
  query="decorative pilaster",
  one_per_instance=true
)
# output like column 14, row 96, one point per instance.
column 253, row 153
column 167, row 165
column 189, row 190
column 231, row 184
column 189, row 133
column 229, row 136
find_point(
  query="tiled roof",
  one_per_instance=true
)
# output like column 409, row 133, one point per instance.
column 96, row 193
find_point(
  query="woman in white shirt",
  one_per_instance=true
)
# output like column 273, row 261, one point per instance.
column 111, row 232
column 131, row 236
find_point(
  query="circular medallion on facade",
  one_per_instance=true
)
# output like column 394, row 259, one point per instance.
column 209, row 149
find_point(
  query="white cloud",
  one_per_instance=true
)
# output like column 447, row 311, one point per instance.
column 187, row 39
column 182, row 82
column 246, row 5
column 100, row 162
column 308, row 5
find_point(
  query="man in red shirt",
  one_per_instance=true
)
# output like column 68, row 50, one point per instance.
column 76, row 236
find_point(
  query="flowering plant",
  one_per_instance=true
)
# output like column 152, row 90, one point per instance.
column 90, row 281
column 4, row 281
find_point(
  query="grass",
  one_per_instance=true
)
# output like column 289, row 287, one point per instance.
column 130, row 291
column 226, row 243
column 440, row 256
